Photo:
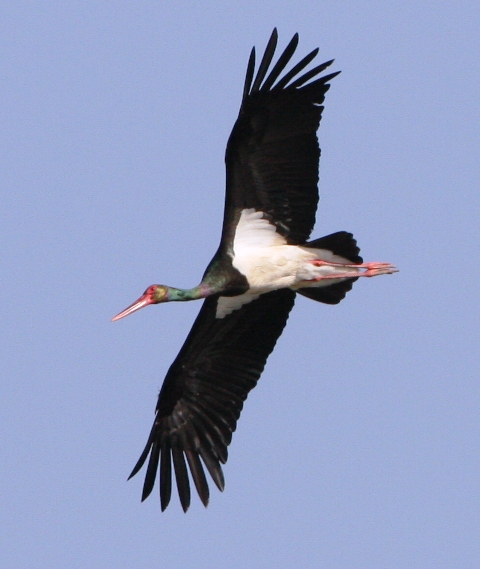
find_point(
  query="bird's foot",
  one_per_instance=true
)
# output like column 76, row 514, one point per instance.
column 374, row 269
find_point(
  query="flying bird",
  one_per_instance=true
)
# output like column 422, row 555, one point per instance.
column 264, row 259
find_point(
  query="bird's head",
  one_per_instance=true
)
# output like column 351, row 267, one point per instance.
column 153, row 295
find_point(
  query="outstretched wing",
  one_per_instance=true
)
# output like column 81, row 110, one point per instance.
column 204, row 390
column 272, row 155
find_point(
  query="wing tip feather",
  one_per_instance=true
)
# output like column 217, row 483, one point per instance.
column 258, row 83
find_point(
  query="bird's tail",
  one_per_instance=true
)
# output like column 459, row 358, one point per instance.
column 344, row 245
column 341, row 243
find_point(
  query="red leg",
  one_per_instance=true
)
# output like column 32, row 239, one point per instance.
column 372, row 269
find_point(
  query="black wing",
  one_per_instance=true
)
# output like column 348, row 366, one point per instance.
column 272, row 155
column 204, row 390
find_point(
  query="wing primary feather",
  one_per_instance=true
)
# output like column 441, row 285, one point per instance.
column 225, row 418
column 212, row 438
column 316, row 89
column 151, row 471
column 213, row 467
column 143, row 456
column 266, row 60
column 206, row 422
column 165, row 475
column 281, row 63
column 198, row 476
column 217, row 419
column 315, row 71
column 181, row 476
column 249, row 75
column 296, row 69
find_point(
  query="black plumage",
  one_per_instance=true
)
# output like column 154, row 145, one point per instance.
column 272, row 165
column 272, row 161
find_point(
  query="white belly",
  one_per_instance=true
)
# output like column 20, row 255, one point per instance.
column 288, row 266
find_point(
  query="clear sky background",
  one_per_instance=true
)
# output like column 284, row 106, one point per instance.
column 360, row 447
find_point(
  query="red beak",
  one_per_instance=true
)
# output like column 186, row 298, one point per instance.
column 143, row 301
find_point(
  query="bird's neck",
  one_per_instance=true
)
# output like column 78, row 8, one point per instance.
column 216, row 280
column 183, row 294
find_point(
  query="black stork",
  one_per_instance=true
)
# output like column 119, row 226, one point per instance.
column 249, row 287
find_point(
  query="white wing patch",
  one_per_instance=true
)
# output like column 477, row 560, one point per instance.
column 227, row 304
column 253, row 231
column 262, row 255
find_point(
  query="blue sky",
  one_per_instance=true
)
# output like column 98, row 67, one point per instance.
column 360, row 447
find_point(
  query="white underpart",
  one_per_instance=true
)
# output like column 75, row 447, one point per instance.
column 268, row 263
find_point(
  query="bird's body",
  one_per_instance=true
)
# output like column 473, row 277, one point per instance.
column 268, row 263
column 249, row 287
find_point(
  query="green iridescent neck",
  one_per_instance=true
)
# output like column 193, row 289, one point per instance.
column 181, row 294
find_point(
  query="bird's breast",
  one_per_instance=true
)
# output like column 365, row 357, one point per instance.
column 271, row 268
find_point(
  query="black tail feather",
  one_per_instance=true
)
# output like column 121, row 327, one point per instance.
column 341, row 243
column 331, row 294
